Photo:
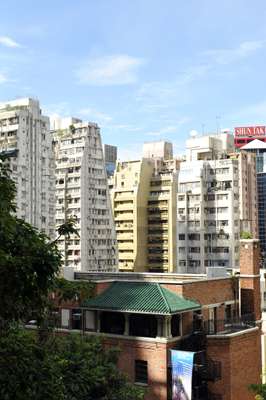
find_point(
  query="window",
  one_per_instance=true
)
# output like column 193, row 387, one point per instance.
column 141, row 371
column 182, row 236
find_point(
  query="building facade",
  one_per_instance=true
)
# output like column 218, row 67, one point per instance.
column 158, row 149
column 148, row 315
column 216, row 202
column 144, row 206
column 248, row 196
column 257, row 149
column 82, row 193
column 208, row 224
column 26, row 142
column 131, row 184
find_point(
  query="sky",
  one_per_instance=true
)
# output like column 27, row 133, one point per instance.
column 142, row 69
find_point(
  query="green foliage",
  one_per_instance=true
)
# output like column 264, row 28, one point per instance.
column 259, row 390
column 64, row 368
column 245, row 235
column 73, row 290
column 72, row 128
column 68, row 228
column 29, row 263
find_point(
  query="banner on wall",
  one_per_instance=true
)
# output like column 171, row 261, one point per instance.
column 182, row 369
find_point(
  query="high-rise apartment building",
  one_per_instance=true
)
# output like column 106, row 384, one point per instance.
column 144, row 206
column 208, row 215
column 82, row 192
column 248, row 206
column 131, row 185
column 216, row 201
column 257, row 149
column 25, row 139
column 162, row 216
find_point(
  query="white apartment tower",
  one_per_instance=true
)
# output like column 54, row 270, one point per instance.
column 208, row 225
column 208, row 206
column 26, row 142
column 82, row 192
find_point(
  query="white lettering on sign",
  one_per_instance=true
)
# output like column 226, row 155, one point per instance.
column 247, row 131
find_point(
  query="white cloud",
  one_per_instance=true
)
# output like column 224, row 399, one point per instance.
column 159, row 95
column 110, row 70
column 169, row 129
column 57, row 109
column 93, row 114
column 251, row 114
column 8, row 42
column 228, row 56
column 3, row 78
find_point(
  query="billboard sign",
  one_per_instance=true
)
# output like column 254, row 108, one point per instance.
column 250, row 131
column 182, row 369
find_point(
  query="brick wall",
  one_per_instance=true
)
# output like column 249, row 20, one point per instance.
column 156, row 356
column 249, row 277
column 240, row 357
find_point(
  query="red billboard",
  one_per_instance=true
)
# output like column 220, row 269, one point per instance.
column 250, row 131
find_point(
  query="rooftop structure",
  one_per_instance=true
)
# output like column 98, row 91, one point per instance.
column 158, row 149
column 147, row 315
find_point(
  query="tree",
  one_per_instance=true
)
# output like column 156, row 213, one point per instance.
column 259, row 390
column 63, row 368
column 56, row 368
column 245, row 235
column 29, row 262
column 72, row 290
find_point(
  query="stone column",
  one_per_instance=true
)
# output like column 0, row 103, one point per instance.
column 126, row 331
column 98, row 321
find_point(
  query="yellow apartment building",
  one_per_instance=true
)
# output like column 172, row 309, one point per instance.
column 144, row 207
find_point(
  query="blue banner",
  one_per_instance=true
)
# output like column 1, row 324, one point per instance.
column 182, row 369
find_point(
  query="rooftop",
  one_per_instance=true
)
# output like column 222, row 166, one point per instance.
column 140, row 297
column 254, row 144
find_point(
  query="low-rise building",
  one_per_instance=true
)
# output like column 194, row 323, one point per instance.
column 149, row 315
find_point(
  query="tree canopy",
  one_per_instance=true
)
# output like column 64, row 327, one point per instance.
column 56, row 368
column 62, row 368
column 29, row 261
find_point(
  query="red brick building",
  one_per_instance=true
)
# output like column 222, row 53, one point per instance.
column 146, row 315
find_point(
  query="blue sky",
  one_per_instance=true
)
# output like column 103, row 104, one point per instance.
column 143, row 69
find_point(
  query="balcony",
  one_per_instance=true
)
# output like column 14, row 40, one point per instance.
column 229, row 326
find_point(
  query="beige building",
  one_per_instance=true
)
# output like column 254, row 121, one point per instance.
column 131, row 185
column 158, row 149
column 144, row 206
column 162, row 217
column 248, row 202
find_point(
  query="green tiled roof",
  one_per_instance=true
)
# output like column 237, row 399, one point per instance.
column 142, row 297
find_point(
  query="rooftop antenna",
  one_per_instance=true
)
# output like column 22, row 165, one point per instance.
column 218, row 117
column 202, row 129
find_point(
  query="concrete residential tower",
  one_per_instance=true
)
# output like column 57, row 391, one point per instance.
column 208, row 205
column 82, row 192
column 25, row 138
column 144, row 206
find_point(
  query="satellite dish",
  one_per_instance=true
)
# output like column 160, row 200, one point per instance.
column 193, row 133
